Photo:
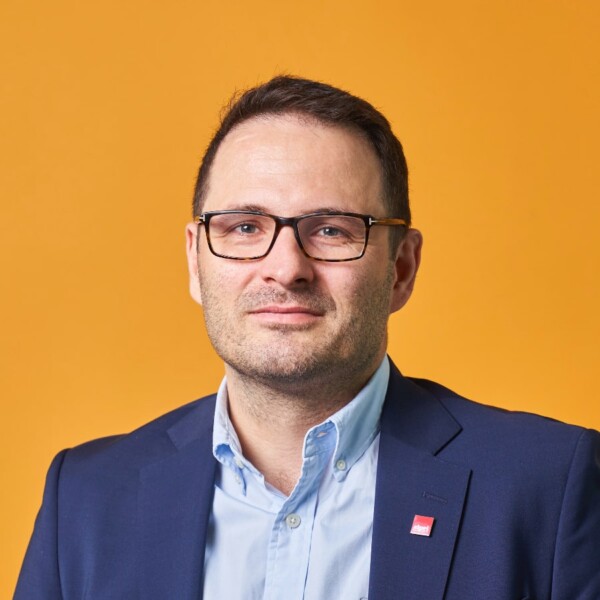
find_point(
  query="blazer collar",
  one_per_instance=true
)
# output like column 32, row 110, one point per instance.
column 412, row 481
column 174, row 502
column 412, row 415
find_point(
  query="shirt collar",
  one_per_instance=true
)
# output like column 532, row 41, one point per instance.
column 356, row 425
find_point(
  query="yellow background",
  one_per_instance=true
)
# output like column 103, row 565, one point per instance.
column 105, row 110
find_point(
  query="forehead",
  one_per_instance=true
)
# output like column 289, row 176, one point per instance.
column 294, row 164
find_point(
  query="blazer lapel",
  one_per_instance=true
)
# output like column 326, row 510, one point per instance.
column 175, row 501
column 412, row 481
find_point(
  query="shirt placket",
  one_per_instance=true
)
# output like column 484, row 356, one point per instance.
column 289, row 546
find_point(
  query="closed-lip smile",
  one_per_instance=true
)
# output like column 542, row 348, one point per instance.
column 285, row 309
column 286, row 314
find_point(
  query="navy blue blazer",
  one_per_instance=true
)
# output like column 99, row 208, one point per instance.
column 515, row 497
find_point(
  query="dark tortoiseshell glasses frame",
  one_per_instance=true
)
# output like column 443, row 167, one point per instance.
column 279, row 222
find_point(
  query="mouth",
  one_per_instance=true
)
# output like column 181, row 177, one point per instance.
column 286, row 309
column 286, row 314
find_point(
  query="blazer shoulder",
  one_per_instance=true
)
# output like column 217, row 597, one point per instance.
column 470, row 412
column 514, row 441
column 140, row 446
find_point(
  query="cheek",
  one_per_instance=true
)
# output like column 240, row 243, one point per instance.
column 351, row 291
column 369, row 291
column 223, row 281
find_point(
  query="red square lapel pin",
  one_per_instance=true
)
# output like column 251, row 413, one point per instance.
column 422, row 525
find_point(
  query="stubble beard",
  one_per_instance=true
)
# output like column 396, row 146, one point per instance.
column 290, row 357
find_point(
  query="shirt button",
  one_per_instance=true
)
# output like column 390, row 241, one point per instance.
column 238, row 462
column 238, row 479
column 293, row 520
column 340, row 465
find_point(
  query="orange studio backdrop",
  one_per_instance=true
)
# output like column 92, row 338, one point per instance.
column 106, row 109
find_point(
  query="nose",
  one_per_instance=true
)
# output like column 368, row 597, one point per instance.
column 286, row 263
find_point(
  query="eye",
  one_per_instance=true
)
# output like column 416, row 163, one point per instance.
column 246, row 228
column 243, row 226
column 330, row 231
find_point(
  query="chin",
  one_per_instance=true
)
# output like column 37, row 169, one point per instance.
column 279, row 364
column 283, row 368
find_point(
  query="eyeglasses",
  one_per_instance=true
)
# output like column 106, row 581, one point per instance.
column 249, row 235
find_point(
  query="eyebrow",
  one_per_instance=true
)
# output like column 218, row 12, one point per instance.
column 262, row 209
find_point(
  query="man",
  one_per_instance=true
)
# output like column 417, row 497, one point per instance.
column 317, row 471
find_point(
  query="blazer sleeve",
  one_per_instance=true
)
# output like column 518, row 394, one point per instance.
column 576, row 572
column 39, row 578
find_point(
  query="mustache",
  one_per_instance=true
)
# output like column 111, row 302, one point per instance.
column 311, row 300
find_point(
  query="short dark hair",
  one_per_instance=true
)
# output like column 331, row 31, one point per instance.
column 326, row 104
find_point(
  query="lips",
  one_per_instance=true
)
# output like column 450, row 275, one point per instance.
column 286, row 316
column 286, row 310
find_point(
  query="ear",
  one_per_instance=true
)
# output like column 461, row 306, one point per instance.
column 406, row 265
column 191, row 248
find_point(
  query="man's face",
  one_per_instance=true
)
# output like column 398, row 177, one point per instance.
column 286, row 318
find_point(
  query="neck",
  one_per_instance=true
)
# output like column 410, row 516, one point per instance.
column 271, row 422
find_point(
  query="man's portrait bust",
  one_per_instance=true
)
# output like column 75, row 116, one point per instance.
column 317, row 470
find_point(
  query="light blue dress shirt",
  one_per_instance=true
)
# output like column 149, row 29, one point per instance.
column 314, row 544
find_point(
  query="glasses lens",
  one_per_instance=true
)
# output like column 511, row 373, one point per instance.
column 241, row 235
column 332, row 237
